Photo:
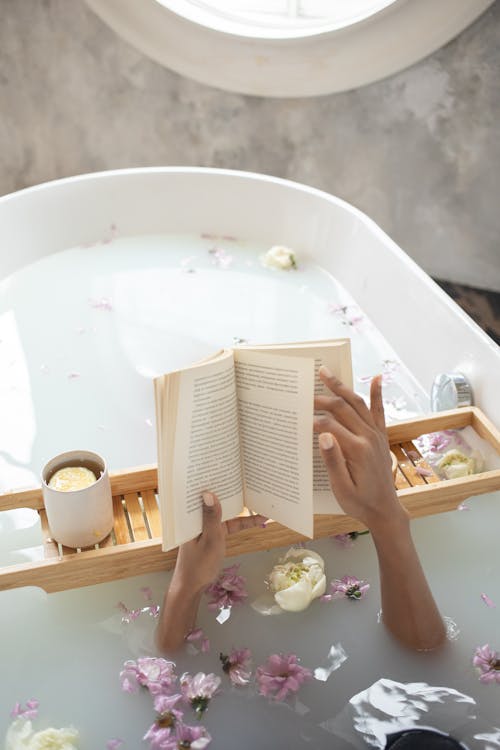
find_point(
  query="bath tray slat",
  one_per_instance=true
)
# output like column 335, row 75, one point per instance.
column 134, row 545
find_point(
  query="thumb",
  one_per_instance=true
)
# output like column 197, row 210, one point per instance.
column 212, row 511
column 338, row 473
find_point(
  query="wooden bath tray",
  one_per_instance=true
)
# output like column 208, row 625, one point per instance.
column 134, row 546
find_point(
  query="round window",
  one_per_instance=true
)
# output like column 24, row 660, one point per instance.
column 288, row 48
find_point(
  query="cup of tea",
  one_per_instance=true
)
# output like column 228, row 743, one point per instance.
column 77, row 496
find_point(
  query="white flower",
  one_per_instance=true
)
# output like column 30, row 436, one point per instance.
column 279, row 257
column 456, row 464
column 298, row 579
column 20, row 736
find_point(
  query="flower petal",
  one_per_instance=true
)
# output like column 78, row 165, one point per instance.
column 295, row 598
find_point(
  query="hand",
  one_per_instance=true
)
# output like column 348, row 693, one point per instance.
column 198, row 564
column 353, row 443
column 199, row 561
column 354, row 447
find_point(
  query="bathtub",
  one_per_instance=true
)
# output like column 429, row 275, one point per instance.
column 67, row 649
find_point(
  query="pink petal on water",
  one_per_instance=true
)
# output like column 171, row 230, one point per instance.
column 489, row 602
column 114, row 744
column 343, row 540
column 463, row 506
column 194, row 635
column 148, row 422
column 147, row 593
column 421, row 471
column 104, row 303
column 73, row 375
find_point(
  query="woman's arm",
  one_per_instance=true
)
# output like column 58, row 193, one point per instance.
column 198, row 563
column 353, row 443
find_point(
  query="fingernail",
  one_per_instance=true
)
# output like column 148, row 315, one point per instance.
column 324, row 370
column 325, row 441
column 208, row 499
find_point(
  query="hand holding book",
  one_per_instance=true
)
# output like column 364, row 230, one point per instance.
column 354, row 447
column 241, row 423
column 197, row 566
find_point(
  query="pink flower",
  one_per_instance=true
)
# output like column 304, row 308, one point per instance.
column 489, row 602
column 220, row 257
column 160, row 738
column 196, row 738
column 30, row 712
column 237, row 665
column 349, row 587
column 229, row 589
column 198, row 635
column 162, row 731
column 104, row 303
column 281, row 675
column 343, row 540
column 488, row 663
column 346, row 541
column 199, row 690
column 182, row 737
column 114, row 744
column 438, row 441
column 129, row 615
column 165, row 704
column 422, row 471
column 154, row 673
column 350, row 315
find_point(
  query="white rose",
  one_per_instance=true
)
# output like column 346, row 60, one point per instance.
column 455, row 464
column 298, row 579
column 20, row 736
column 279, row 257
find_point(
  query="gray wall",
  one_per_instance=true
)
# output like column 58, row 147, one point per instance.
column 418, row 152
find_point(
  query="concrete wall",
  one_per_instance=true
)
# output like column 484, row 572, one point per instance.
column 418, row 152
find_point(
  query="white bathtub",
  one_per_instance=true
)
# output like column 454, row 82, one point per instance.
column 75, row 638
column 428, row 330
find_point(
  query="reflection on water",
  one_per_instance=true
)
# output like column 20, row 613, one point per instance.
column 452, row 629
column 388, row 707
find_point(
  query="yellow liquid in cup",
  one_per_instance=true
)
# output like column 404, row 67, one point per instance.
column 72, row 478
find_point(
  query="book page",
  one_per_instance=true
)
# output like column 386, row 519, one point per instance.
column 275, row 411
column 336, row 355
column 201, row 448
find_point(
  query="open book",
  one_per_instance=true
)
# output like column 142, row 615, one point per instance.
column 240, row 424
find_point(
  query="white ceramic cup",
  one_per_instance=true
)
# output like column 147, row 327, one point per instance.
column 79, row 518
